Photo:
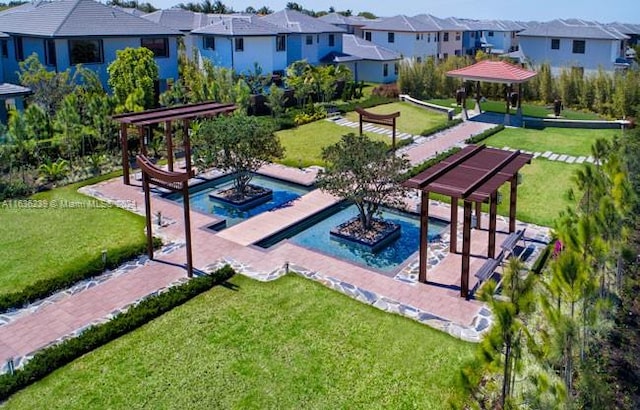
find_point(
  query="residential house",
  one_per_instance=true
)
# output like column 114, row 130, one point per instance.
column 450, row 43
column 11, row 95
column 65, row 33
column 631, row 30
column 185, row 21
column 366, row 60
column 242, row 43
column 409, row 36
column 310, row 38
column 490, row 36
column 583, row 45
column 352, row 25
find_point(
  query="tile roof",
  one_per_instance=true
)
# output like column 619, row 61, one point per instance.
column 402, row 23
column 300, row 23
column 178, row 19
column 337, row 18
column 449, row 24
column 10, row 90
column 626, row 28
column 366, row 50
column 248, row 25
column 3, row 35
column 573, row 28
column 77, row 18
column 493, row 71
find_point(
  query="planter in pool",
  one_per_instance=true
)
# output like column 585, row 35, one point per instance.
column 383, row 234
column 254, row 196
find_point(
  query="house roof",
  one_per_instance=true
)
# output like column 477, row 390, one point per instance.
column 573, row 28
column 3, row 35
column 366, row 50
column 402, row 23
column 78, row 18
column 626, row 28
column 443, row 24
column 337, row 18
column 493, row 72
column 247, row 25
column 130, row 10
column 8, row 90
column 298, row 22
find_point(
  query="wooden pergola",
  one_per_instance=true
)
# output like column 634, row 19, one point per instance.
column 175, row 182
column 144, row 119
column 380, row 119
column 495, row 72
column 472, row 175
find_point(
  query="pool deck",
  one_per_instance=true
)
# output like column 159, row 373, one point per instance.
column 437, row 303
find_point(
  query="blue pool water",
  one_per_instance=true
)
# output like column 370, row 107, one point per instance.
column 317, row 237
column 283, row 193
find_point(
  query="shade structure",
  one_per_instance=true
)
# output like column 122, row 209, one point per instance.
column 493, row 72
column 473, row 175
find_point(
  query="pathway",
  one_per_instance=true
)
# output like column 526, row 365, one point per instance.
column 551, row 156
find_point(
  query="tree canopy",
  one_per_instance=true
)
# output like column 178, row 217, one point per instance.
column 131, row 77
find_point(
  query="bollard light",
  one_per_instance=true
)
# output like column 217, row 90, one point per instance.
column 10, row 366
column 104, row 257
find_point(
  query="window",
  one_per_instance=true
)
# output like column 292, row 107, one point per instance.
column 318, row 39
column 396, row 68
column 578, row 46
column 85, row 51
column 457, row 36
column 4, row 48
column 367, row 35
column 555, row 44
column 419, row 59
column 579, row 71
column 239, row 44
column 446, row 37
column 159, row 45
column 428, row 37
column 332, row 40
column 445, row 56
column 19, row 49
column 385, row 70
column 421, row 36
column 309, row 40
column 417, row 36
column 490, row 34
column 209, row 43
column 50, row 52
column 473, row 34
column 281, row 43
column 436, row 37
column 391, row 37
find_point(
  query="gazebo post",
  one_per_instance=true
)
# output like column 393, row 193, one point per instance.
column 478, row 96
column 147, row 211
column 187, row 227
column 519, row 112
column 493, row 210
column 360, row 116
column 169, row 141
column 453, row 229
column 125, row 153
column 143, row 147
column 424, row 236
column 512, row 204
column 187, row 147
column 478, row 215
column 466, row 250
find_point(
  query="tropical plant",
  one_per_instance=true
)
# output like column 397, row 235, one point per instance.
column 48, row 87
column 54, row 171
column 131, row 77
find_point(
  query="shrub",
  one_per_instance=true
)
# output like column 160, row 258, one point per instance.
column 431, row 162
column 14, row 189
column 46, row 287
column 386, row 91
column 313, row 114
column 484, row 135
column 441, row 127
column 54, row 357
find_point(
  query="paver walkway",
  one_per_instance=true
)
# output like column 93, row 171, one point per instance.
column 553, row 156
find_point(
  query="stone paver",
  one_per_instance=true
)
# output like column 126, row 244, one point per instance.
column 562, row 157
column 547, row 154
column 553, row 157
column 570, row 160
column 580, row 160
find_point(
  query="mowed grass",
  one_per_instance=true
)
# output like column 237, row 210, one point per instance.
column 413, row 120
column 303, row 145
column 287, row 344
column 40, row 243
column 570, row 141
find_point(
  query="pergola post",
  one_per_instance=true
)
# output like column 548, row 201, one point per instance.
column 360, row 116
column 512, row 204
column 478, row 215
column 493, row 210
column 187, row 227
column 187, row 147
column 466, row 250
column 453, row 228
column 125, row 153
column 424, row 236
column 393, row 135
column 143, row 146
column 168, row 137
column 147, row 211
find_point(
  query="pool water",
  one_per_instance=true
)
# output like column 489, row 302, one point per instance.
column 317, row 237
column 283, row 194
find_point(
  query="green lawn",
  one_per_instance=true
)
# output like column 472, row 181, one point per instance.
column 568, row 141
column 45, row 242
column 287, row 344
column 413, row 120
column 303, row 145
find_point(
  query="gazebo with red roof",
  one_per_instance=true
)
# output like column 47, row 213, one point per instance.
column 495, row 72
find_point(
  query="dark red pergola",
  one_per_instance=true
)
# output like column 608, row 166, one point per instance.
column 472, row 175
column 167, row 115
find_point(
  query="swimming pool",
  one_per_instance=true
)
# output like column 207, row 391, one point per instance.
column 283, row 194
column 314, row 234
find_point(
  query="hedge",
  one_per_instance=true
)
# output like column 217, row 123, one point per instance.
column 484, row 135
column 431, row 162
column 441, row 127
column 54, row 357
column 93, row 267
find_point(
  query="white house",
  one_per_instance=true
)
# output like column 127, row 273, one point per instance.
column 409, row 36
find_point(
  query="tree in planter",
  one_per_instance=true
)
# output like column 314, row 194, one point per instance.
column 238, row 144
column 363, row 171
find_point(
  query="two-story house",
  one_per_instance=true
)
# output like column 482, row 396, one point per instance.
column 579, row 44
column 352, row 25
column 242, row 41
column 11, row 95
column 450, row 43
column 183, row 21
column 309, row 39
column 66, row 33
column 411, row 37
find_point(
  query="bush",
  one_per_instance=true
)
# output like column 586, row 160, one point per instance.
column 14, row 189
column 46, row 287
column 431, row 162
column 441, row 127
column 484, row 135
column 312, row 114
column 386, row 91
column 372, row 101
column 54, row 357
